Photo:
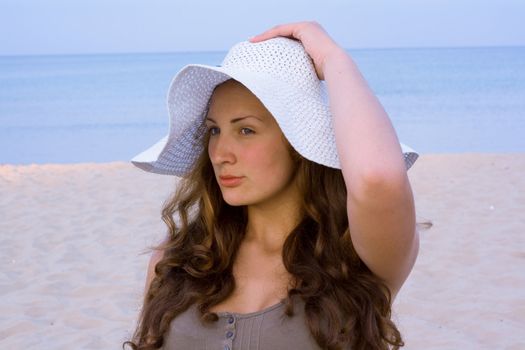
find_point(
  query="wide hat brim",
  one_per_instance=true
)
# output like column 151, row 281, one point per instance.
column 302, row 114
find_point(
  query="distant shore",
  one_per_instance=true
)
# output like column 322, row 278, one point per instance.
column 73, row 237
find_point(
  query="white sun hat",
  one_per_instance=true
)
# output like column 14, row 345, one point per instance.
column 282, row 76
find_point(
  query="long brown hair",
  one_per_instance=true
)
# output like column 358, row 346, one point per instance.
column 346, row 306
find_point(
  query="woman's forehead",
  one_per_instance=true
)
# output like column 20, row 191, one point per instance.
column 236, row 101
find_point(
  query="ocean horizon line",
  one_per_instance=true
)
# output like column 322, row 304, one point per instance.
column 190, row 52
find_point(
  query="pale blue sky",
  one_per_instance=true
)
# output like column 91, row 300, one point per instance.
column 108, row 26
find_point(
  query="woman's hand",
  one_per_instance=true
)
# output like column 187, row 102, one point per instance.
column 317, row 43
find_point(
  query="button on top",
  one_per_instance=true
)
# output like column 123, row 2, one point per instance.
column 229, row 334
column 230, row 319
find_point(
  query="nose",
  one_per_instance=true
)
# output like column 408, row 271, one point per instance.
column 221, row 149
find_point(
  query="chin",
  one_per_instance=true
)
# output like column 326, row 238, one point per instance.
column 235, row 202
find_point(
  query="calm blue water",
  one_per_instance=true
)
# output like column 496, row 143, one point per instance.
column 98, row 108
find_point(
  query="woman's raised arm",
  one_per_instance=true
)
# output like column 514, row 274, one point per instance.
column 380, row 202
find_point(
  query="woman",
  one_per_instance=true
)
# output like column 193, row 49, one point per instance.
column 294, row 223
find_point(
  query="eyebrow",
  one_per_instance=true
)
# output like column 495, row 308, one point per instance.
column 237, row 119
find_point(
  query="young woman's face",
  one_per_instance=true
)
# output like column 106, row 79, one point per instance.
column 247, row 149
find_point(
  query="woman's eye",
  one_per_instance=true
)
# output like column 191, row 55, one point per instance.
column 247, row 131
column 213, row 130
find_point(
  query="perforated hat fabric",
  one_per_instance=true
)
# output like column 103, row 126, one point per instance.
column 282, row 76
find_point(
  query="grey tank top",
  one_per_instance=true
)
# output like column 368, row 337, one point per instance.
column 262, row 330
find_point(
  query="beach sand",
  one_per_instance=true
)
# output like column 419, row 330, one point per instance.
column 72, row 239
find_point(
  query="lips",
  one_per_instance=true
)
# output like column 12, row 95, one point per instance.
column 230, row 181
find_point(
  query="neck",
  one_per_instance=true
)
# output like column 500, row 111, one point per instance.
column 269, row 224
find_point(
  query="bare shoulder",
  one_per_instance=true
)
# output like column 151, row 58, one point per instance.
column 156, row 256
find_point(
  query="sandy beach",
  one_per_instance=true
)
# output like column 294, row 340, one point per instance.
column 74, row 238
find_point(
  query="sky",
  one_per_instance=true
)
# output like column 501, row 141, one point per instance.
column 40, row 27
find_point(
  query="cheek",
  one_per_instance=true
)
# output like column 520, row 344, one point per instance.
column 210, row 149
column 255, row 154
column 260, row 156
column 269, row 161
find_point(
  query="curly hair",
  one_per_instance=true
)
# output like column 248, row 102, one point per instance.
column 346, row 305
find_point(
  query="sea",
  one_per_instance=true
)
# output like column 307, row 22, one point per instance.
column 110, row 107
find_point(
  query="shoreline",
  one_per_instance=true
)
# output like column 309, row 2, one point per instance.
column 436, row 154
